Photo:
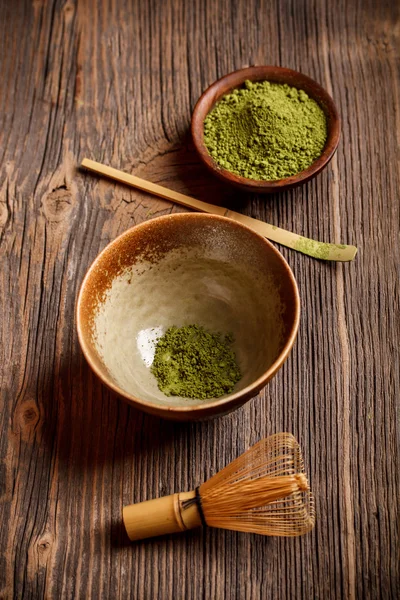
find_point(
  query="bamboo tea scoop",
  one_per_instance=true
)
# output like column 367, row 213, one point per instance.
column 263, row 491
column 321, row 250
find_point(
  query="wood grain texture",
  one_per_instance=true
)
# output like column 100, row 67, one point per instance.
column 117, row 81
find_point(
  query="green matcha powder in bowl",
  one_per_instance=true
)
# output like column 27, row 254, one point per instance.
column 194, row 363
column 265, row 131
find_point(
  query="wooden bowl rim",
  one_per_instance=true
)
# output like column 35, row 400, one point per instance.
column 265, row 73
column 209, row 407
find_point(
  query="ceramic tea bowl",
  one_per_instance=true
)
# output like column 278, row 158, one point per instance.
column 179, row 270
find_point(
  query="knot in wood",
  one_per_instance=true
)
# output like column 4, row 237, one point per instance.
column 30, row 415
column 27, row 418
column 43, row 548
column 57, row 205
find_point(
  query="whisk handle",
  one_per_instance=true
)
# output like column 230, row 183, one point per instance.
column 161, row 516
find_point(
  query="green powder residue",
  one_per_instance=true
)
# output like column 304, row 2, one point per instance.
column 317, row 249
column 265, row 131
column 194, row 363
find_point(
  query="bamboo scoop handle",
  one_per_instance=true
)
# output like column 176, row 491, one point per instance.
column 321, row 250
column 161, row 516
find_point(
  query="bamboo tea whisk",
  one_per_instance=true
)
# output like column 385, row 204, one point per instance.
column 263, row 491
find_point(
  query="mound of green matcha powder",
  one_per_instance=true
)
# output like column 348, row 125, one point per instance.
column 265, row 131
column 194, row 363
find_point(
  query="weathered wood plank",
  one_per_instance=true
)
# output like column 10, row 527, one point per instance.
column 117, row 82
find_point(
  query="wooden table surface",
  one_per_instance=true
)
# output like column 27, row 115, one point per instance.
column 116, row 82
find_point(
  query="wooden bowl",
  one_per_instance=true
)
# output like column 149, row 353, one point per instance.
column 178, row 270
column 278, row 75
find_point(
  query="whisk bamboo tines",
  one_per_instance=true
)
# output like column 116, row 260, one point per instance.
column 263, row 491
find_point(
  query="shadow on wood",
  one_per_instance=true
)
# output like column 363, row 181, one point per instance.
column 92, row 426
